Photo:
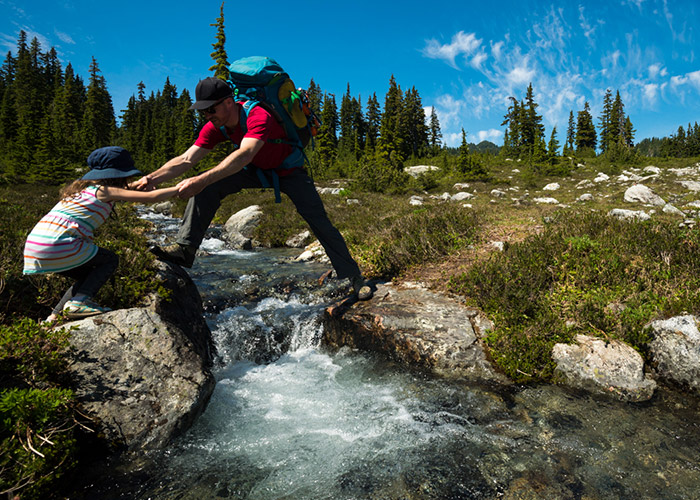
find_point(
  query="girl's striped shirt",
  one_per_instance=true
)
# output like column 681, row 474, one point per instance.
column 63, row 238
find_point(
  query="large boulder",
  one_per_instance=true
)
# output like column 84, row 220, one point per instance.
column 415, row 326
column 639, row 193
column 143, row 374
column 675, row 350
column 612, row 368
column 239, row 228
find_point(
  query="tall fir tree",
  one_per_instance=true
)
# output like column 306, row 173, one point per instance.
column 374, row 118
column 220, row 66
column 570, row 136
column 327, row 136
column 585, row 132
column 414, row 131
column 99, row 124
column 469, row 167
column 553, row 147
column 29, row 108
column 434, row 134
column 607, row 127
column 512, row 136
column 532, row 129
column 390, row 144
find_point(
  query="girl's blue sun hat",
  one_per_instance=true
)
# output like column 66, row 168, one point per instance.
column 111, row 162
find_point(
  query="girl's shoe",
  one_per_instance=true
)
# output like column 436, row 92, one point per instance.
column 82, row 309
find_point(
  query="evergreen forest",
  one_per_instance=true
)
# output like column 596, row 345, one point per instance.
column 51, row 118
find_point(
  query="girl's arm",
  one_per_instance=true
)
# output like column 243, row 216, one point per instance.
column 110, row 193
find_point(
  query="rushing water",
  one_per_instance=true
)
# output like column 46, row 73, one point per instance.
column 290, row 420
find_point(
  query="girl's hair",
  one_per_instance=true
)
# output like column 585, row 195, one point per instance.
column 72, row 189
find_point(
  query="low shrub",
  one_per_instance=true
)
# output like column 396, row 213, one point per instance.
column 584, row 274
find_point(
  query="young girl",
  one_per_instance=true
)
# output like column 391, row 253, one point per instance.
column 62, row 242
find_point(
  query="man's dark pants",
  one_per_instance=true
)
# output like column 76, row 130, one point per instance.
column 298, row 186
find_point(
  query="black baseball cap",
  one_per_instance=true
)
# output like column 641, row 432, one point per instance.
column 209, row 91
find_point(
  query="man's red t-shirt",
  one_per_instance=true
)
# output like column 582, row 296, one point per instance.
column 261, row 125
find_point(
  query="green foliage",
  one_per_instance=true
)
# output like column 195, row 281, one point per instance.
column 31, row 353
column 588, row 274
column 37, row 440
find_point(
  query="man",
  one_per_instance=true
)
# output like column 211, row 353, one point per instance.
column 257, row 150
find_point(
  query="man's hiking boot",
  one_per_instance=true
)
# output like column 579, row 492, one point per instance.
column 361, row 288
column 182, row 255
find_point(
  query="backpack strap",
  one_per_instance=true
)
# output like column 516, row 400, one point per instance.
column 291, row 161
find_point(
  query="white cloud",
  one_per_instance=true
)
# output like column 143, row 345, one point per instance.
column 489, row 135
column 64, row 37
column 588, row 28
column 478, row 60
column 650, row 93
column 462, row 43
column 520, row 75
column 656, row 70
column 694, row 78
column 496, row 49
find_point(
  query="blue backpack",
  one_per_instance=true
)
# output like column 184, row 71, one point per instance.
column 261, row 81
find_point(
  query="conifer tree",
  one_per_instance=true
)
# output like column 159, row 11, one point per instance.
column 607, row 126
column 629, row 132
column 68, row 112
column 532, row 130
column 8, row 112
column 374, row 118
column 28, row 107
column 553, row 146
column 98, row 125
column 390, row 143
column 327, row 138
column 220, row 66
column 512, row 137
column 346, row 141
column 435, row 134
column 413, row 129
column 585, row 132
column 467, row 165
column 570, row 135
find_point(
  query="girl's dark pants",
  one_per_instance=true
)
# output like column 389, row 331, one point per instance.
column 89, row 277
column 298, row 186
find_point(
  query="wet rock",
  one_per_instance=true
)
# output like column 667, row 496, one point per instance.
column 417, row 327
column 299, row 240
column 313, row 252
column 165, row 207
column 675, row 350
column 144, row 373
column 611, row 368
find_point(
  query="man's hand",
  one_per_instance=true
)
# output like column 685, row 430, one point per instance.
column 190, row 187
column 143, row 184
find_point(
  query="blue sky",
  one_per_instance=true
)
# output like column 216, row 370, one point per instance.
column 464, row 58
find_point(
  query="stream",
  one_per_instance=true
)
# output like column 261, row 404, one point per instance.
column 290, row 419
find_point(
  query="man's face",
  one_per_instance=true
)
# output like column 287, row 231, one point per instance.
column 217, row 113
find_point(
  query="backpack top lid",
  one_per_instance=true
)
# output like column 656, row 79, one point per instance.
column 254, row 71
